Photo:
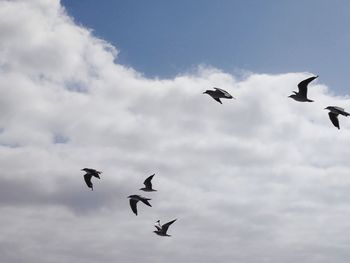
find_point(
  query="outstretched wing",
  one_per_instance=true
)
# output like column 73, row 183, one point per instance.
column 145, row 201
column 334, row 119
column 303, row 85
column 89, row 170
column 148, row 182
column 218, row 100
column 87, row 178
column 166, row 226
column 340, row 110
column 133, row 205
column 224, row 93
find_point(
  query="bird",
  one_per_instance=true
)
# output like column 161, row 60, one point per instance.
column 133, row 199
column 148, row 184
column 302, row 94
column 333, row 113
column 89, row 173
column 162, row 229
column 218, row 94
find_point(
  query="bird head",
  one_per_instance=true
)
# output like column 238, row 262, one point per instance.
column 328, row 108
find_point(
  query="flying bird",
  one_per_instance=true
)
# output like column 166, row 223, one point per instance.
column 148, row 184
column 302, row 94
column 87, row 177
column 133, row 199
column 161, row 230
column 333, row 113
column 218, row 94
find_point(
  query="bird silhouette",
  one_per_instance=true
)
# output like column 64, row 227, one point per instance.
column 333, row 113
column 148, row 184
column 87, row 177
column 218, row 94
column 302, row 94
column 162, row 229
column 134, row 199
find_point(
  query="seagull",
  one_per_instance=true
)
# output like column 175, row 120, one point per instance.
column 161, row 230
column 89, row 173
column 148, row 184
column 134, row 199
column 218, row 93
column 333, row 113
column 302, row 94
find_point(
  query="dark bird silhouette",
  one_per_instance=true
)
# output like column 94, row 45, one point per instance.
column 148, row 184
column 161, row 230
column 87, row 177
column 218, row 94
column 133, row 199
column 333, row 113
column 302, row 94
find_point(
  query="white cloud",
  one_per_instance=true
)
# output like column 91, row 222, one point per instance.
column 260, row 178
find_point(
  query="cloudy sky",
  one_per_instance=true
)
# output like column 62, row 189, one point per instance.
column 258, row 179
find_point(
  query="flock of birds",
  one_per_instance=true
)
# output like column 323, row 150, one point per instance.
column 300, row 96
column 217, row 94
column 161, row 230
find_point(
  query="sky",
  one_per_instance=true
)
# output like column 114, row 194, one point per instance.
column 164, row 38
column 262, row 178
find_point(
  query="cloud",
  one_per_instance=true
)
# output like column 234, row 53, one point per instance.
column 260, row 178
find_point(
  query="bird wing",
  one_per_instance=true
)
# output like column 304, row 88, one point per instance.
column 87, row 178
column 166, row 226
column 218, row 100
column 133, row 205
column 303, row 85
column 148, row 182
column 334, row 119
column 90, row 171
column 224, row 92
column 145, row 201
column 341, row 111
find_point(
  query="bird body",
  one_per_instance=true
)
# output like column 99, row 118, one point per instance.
column 148, row 184
column 333, row 113
column 89, row 174
column 134, row 199
column 218, row 94
column 301, row 96
column 162, row 229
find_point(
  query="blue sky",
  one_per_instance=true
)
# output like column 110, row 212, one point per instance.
column 165, row 38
